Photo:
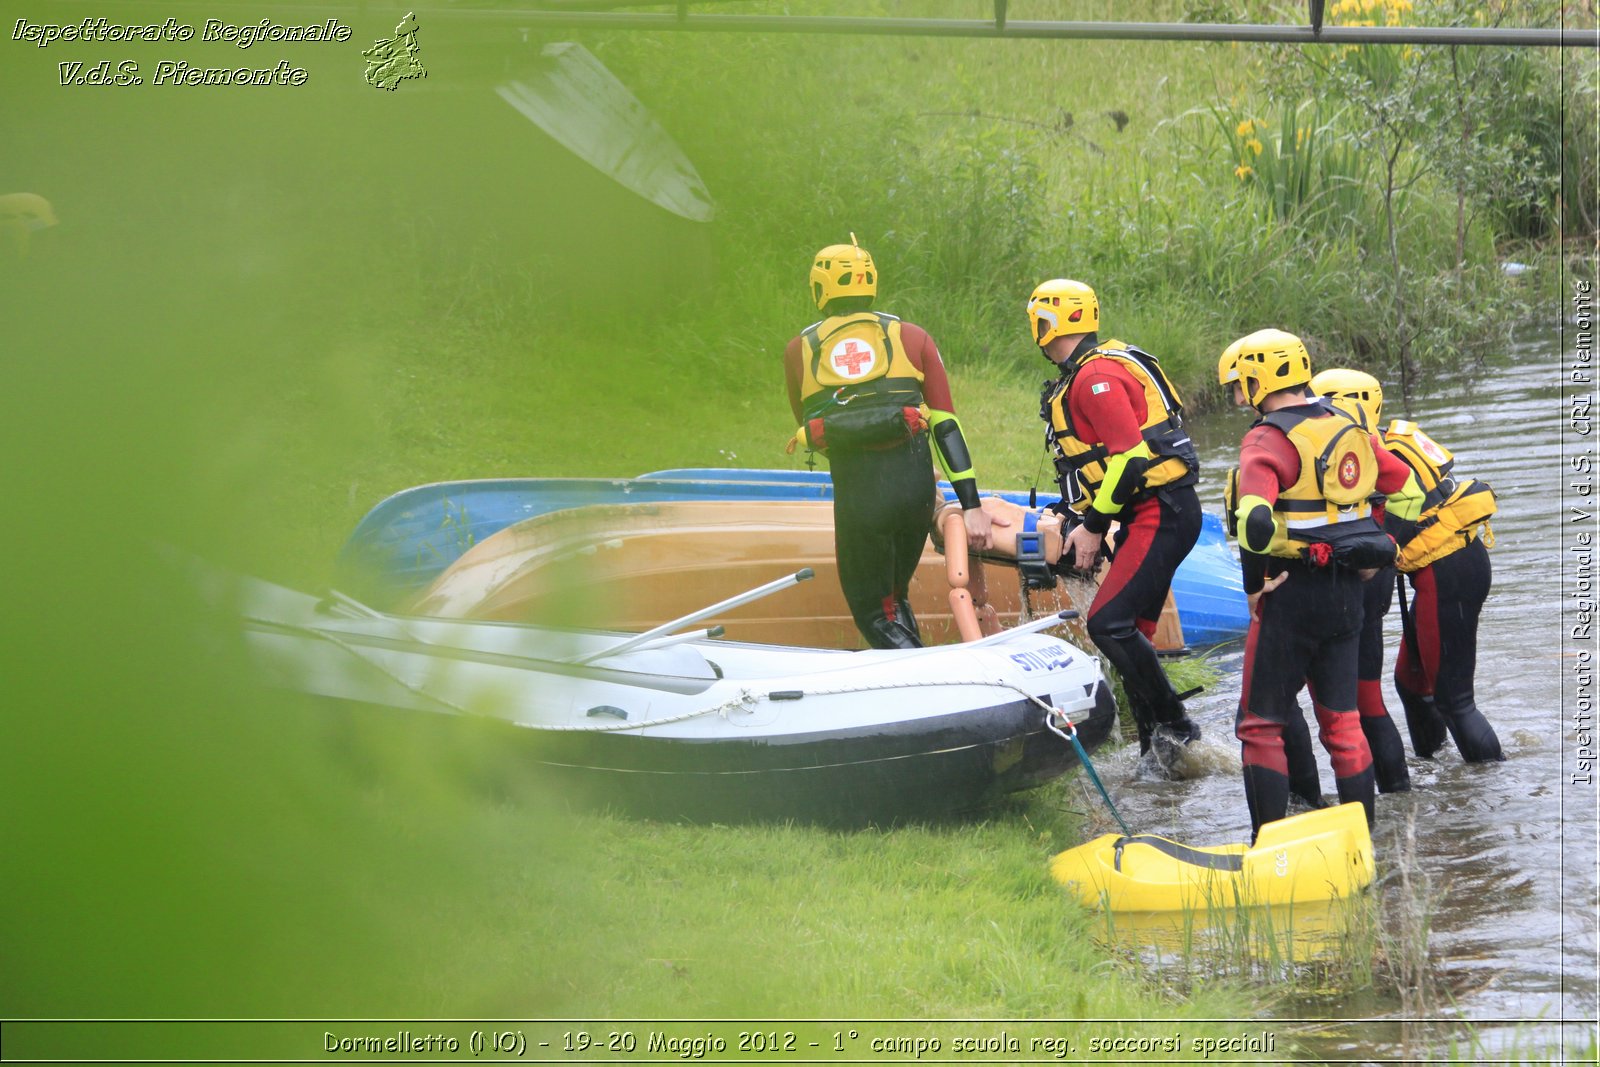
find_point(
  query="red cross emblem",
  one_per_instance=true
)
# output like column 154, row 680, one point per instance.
column 1349, row 470
column 851, row 357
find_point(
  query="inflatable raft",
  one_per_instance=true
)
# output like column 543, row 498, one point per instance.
column 675, row 724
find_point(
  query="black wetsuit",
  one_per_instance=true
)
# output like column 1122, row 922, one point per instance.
column 883, row 506
column 1433, row 673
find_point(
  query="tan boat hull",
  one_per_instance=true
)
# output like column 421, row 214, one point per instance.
column 634, row 566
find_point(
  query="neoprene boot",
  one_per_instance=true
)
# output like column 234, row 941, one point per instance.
column 1134, row 658
column 1423, row 721
column 884, row 632
column 1360, row 788
column 902, row 614
column 1305, row 781
column 1266, row 791
column 1475, row 739
column 1143, row 721
column 1388, row 753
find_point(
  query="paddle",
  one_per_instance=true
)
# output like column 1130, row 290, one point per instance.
column 1053, row 619
column 632, row 643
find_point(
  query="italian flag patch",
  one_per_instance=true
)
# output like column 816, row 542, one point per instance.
column 1099, row 387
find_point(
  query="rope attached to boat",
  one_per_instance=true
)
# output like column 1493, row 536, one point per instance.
column 1071, row 734
column 745, row 701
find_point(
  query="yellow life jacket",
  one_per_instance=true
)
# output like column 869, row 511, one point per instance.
column 1081, row 465
column 1279, row 545
column 1452, row 508
column 1330, row 501
column 847, row 359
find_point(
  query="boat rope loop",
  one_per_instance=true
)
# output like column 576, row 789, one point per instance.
column 744, row 702
column 1070, row 734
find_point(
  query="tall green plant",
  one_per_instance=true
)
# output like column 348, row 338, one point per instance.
column 1426, row 117
column 1304, row 169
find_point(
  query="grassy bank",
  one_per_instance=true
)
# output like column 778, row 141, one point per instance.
column 261, row 314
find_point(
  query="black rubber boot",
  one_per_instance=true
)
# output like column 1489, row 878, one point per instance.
column 902, row 614
column 1266, row 791
column 1388, row 754
column 884, row 632
column 1305, row 781
column 1143, row 721
column 1150, row 694
column 1359, row 788
column 1475, row 739
column 1423, row 722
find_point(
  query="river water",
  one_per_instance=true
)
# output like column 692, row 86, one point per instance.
column 1500, row 859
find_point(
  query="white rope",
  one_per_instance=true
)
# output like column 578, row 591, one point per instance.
column 745, row 701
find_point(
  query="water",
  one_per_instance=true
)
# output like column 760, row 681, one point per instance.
column 1507, row 851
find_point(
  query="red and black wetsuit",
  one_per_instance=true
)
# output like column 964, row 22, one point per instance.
column 883, row 503
column 1388, row 752
column 1107, row 406
column 1307, row 632
column 1433, row 673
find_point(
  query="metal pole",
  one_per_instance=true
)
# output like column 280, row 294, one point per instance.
column 1036, row 30
column 559, row 15
column 632, row 643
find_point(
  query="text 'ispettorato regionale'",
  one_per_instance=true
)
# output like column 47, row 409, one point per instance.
column 127, row 71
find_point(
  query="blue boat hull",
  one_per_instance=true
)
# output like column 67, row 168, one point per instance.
column 408, row 539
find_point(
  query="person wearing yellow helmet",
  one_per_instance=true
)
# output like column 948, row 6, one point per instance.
column 871, row 392
column 1308, row 540
column 1228, row 375
column 1305, row 780
column 1114, row 424
column 1447, row 562
column 1359, row 396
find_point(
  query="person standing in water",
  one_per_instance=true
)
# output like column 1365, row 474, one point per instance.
column 1114, row 424
column 1446, row 559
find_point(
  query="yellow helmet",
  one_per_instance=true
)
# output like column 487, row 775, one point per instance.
column 842, row 270
column 1228, row 365
column 1060, row 307
column 1270, row 360
column 1356, row 393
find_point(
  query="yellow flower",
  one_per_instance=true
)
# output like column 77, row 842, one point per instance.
column 1254, row 146
column 1245, row 128
column 1243, row 172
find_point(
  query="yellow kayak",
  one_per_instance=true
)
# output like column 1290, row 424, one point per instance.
column 1320, row 855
